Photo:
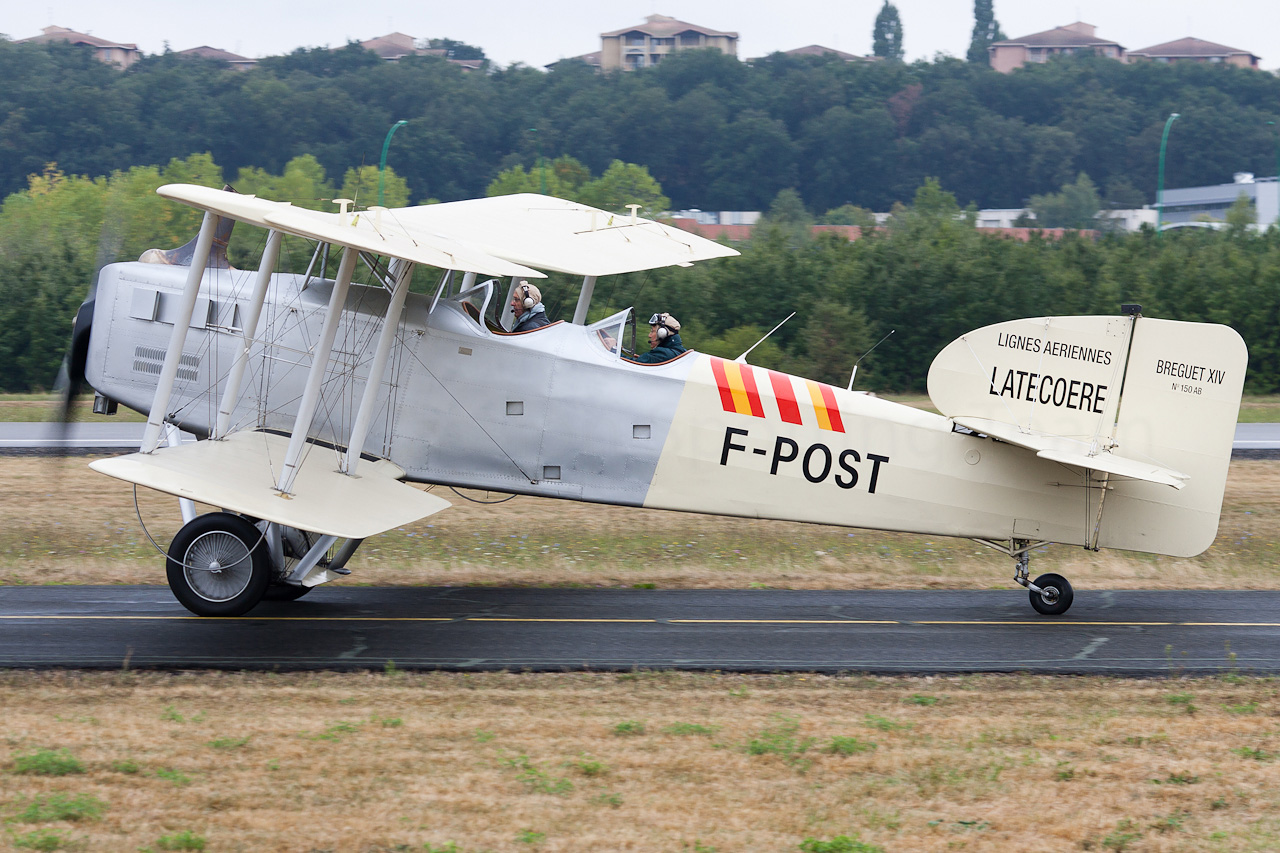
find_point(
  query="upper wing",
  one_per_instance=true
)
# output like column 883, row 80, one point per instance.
column 503, row 236
column 376, row 231
column 555, row 234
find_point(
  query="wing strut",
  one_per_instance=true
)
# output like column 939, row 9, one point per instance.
column 178, row 337
column 402, row 273
column 319, row 364
column 270, row 255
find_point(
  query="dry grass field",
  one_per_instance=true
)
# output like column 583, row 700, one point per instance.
column 62, row 523
column 641, row 762
column 645, row 761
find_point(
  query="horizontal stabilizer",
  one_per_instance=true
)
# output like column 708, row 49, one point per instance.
column 1081, row 454
column 238, row 474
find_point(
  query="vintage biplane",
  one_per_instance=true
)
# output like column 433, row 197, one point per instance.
column 318, row 401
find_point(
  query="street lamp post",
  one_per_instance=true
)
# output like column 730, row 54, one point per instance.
column 1164, row 139
column 382, row 164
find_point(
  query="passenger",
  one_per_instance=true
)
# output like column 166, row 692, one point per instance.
column 664, row 340
column 527, row 309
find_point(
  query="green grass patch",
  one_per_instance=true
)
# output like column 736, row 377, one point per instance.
column 685, row 729
column 60, row 807
column 185, row 840
column 839, row 844
column 43, row 839
column 534, row 778
column 884, row 724
column 782, row 739
column 47, row 762
column 228, row 743
column 846, row 745
column 177, row 777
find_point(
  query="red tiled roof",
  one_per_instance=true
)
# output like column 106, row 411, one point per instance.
column 662, row 26
column 819, row 50
column 206, row 52
column 1057, row 37
column 64, row 34
column 1189, row 47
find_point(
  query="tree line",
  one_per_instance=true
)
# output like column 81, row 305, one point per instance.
column 716, row 133
column 928, row 275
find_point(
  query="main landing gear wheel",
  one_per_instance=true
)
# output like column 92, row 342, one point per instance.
column 1054, row 597
column 218, row 566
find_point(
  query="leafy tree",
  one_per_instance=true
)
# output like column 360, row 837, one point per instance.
column 886, row 38
column 986, row 31
column 1075, row 206
column 734, row 342
column 303, row 183
column 457, row 49
column 623, row 184
column 571, row 171
column 788, row 213
column 1241, row 214
column 361, row 186
column 1121, row 194
column 517, row 180
column 849, row 214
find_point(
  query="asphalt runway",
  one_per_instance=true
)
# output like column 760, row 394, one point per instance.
column 122, row 437
column 1130, row 633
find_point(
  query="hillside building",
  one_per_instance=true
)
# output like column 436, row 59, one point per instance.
column 1060, row 41
column 120, row 54
column 240, row 63
column 658, row 37
column 1195, row 50
column 1210, row 204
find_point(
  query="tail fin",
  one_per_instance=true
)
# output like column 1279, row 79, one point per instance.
column 1180, row 403
column 1147, row 406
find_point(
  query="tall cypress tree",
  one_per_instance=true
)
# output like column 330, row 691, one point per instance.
column 986, row 31
column 887, row 36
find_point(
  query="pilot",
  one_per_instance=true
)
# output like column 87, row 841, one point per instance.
column 664, row 340
column 527, row 308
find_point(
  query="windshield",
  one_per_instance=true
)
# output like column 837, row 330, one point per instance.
column 608, row 332
column 476, row 300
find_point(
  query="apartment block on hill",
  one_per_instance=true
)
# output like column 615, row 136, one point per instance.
column 1195, row 50
column 235, row 60
column 1059, row 41
column 112, row 53
column 395, row 46
column 659, row 36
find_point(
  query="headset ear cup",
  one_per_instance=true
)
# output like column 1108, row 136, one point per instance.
column 528, row 302
column 662, row 332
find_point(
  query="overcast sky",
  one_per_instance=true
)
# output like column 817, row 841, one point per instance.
column 537, row 33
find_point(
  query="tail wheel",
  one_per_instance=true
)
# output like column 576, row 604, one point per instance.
column 1054, row 597
column 218, row 565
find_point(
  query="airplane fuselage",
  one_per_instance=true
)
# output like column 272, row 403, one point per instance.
column 558, row 413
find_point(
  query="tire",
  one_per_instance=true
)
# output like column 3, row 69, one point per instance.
column 211, row 569
column 1056, row 597
column 285, row 592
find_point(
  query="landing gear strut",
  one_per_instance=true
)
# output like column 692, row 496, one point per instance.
column 1051, row 594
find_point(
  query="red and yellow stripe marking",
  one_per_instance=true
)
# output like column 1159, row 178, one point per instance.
column 740, row 394
column 824, row 404
column 785, row 393
column 737, row 384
